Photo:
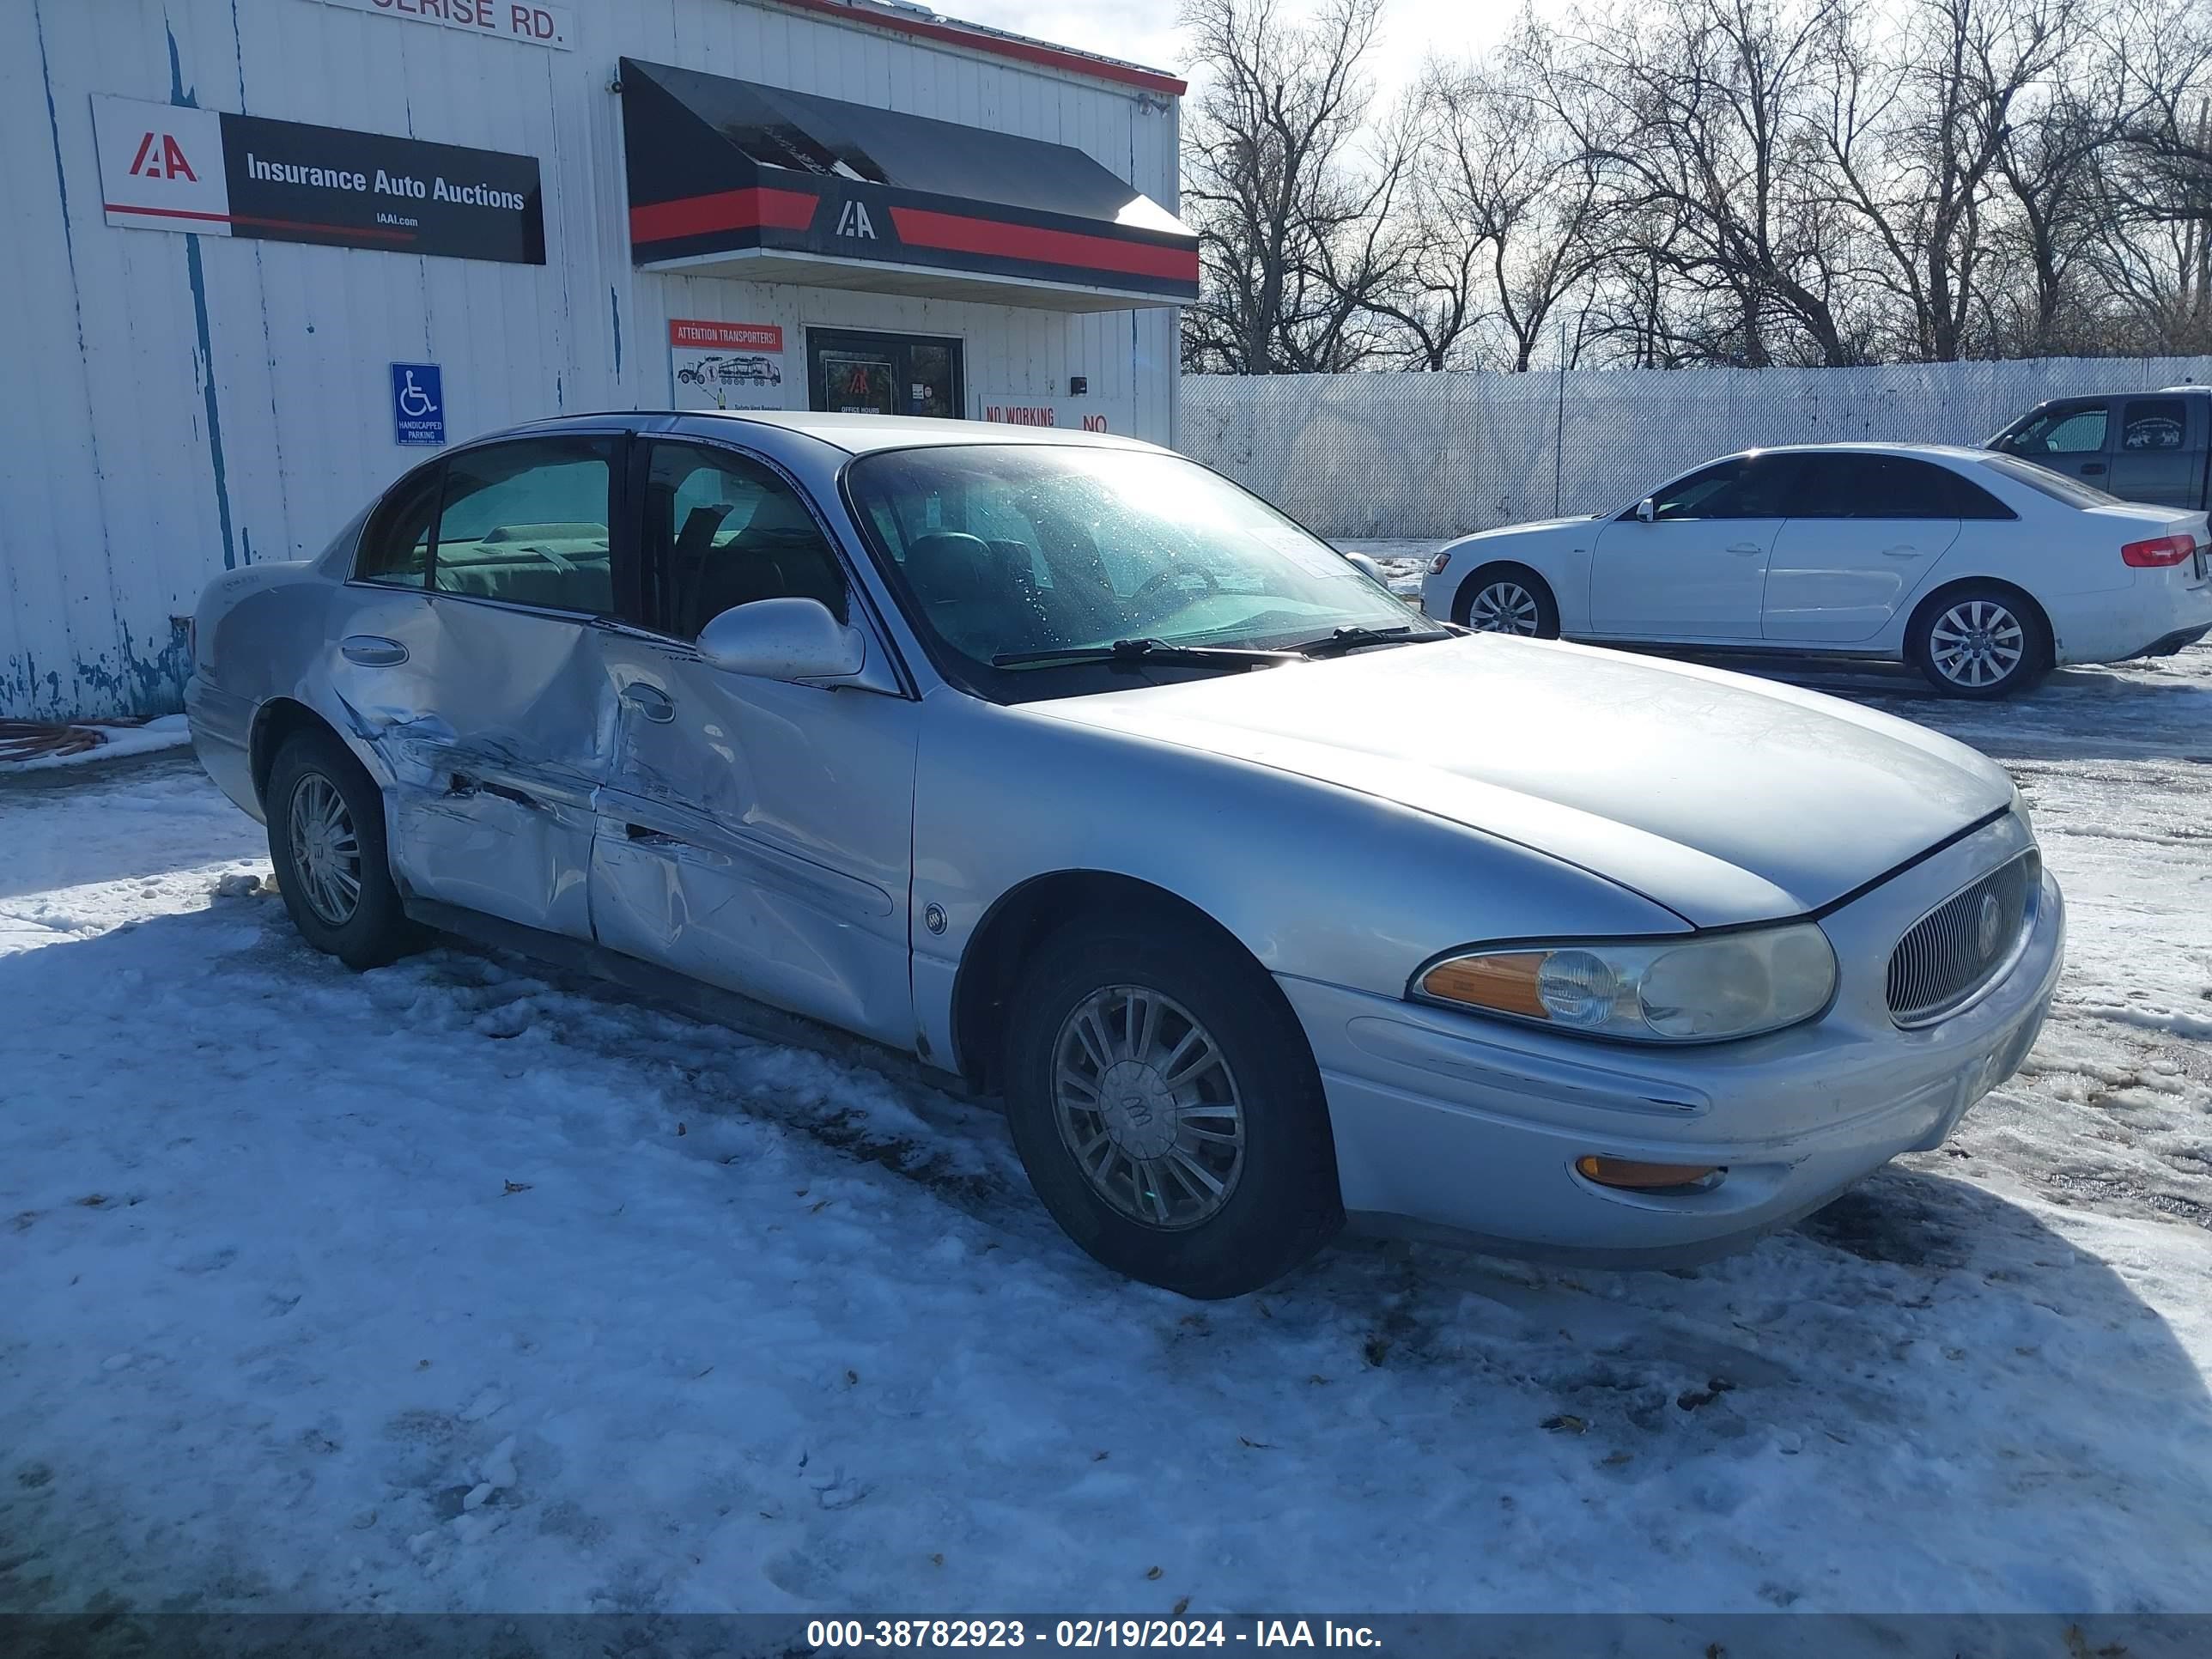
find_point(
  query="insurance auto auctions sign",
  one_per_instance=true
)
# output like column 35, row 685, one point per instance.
column 715, row 365
column 166, row 168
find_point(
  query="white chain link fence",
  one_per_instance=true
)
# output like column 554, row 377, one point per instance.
column 1438, row 455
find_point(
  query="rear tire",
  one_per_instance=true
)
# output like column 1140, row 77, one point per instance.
column 1507, row 598
column 1164, row 1101
column 1982, row 641
column 326, row 842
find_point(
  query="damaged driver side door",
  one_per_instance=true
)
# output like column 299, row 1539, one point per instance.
column 469, row 658
column 755, row 834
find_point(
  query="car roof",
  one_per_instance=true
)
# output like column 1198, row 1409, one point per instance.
column 857, row 434
column 1947, row 451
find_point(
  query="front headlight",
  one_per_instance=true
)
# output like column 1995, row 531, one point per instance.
column 1692, row 990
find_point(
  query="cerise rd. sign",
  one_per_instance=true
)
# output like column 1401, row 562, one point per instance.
column 533, row 22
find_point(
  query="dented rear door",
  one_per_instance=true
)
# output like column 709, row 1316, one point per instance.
column 467, row 653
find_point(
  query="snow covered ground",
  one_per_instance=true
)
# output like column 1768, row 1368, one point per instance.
column 457, row 1286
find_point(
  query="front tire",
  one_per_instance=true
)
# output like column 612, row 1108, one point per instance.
column 1507, row 598
column 326, row 842
column 1165, row 1104
column 1981, row 641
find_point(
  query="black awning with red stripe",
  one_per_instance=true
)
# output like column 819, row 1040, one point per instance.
column 755, row 182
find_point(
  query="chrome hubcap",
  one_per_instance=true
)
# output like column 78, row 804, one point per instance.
column 1977, row 643
column 325, row 851
column 1148, row 1107
column 1504, row 608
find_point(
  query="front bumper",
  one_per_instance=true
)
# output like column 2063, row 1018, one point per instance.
column 1448, row 1124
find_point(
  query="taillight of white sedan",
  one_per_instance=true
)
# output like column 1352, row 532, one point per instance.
column 1982, row 570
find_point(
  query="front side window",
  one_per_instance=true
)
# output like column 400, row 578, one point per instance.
column 1748, row 487
column 2154, row 423
column 525, row 523
column 2075, row 429
column 1002, row 551
column 721, row 531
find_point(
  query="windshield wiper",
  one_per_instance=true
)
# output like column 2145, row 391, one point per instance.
column 1146, row 650
column 1350, row 639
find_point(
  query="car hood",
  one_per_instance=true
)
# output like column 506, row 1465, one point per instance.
column 1535, row 527
column 1724, row 797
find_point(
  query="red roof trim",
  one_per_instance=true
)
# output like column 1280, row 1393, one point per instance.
column 958, row 233
column 750, row 209
column 1026, row 51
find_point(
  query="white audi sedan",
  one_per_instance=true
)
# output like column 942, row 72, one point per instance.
column 1982, row 570
column 1073, row 772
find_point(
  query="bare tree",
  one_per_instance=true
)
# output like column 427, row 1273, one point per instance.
column 1294, row 210
column 1696, row 116
column 1916, row 136
column 1519, row 199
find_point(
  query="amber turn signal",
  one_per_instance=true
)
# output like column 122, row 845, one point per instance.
column 1506, row 982
column 1632, row 1176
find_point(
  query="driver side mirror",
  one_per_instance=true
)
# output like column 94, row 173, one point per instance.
column 1369, row 566
column 784, row 639
column 1645, row 510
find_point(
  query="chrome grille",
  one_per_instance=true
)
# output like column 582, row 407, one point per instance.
column 1948, row 956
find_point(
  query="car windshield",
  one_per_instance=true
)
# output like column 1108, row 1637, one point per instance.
column 2056, row 485
column 1039, row 551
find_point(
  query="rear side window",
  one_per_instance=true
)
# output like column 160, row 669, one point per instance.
column 1859, row 486
column 395, row 549
column 526, row 523
column 2154, row 423
column 2072, row 430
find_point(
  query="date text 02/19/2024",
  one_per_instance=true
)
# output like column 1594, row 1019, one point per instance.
column 831, row 1635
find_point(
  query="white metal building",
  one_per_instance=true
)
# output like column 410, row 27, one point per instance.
column 260, row 254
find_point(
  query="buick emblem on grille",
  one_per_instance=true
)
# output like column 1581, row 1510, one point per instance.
column 1988, row 926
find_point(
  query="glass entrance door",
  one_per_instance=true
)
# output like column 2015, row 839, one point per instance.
column 849, row 372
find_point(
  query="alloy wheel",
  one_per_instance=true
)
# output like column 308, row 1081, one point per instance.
column 1504, row 607
column 1977, row 643
column 1147, row 1107
column 325, row 849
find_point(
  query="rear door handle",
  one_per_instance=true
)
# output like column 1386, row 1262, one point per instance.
column 372, row 650
column 650, row 701
column 1747, row 548
column 1902, row 550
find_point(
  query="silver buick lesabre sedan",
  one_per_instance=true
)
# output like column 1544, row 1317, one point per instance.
column 1068, row 767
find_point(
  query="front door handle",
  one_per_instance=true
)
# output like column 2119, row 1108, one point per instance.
column 1747, row 548
column 650, row 701
column 372, row 650
column 2093, row 469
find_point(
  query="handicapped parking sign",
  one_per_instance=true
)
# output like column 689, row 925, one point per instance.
column 418, row 403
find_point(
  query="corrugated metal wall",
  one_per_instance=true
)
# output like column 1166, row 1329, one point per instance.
column 175, row 405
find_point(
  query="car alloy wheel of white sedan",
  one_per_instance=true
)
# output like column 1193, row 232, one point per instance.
column 1977, row 643
column 1075, row 772
column 1505, row 606
column 1982, row 570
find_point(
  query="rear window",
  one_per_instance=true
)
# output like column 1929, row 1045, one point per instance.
column 2056, row 485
